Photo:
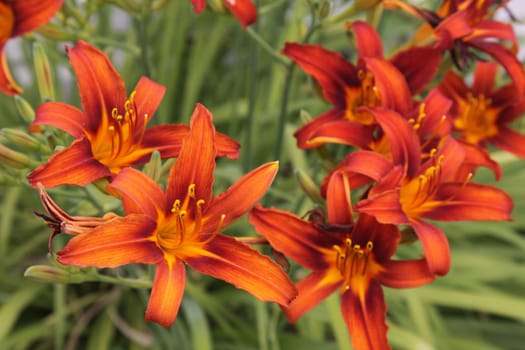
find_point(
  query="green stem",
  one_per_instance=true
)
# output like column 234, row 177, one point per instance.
column 59, row 302
column 128, row 282
column 286, row 93
column 7, row 214
column 134, row 50
column 283, row 111
column 266, row 47
column 262, row 324
column 333, row 305
column 142, row 24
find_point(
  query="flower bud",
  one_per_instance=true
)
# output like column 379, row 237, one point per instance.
column 22, row 140
column 321, row 8
column 308, row 186
column 24, row 109
column 15, row 159
column 154, row 167
column 44, row 75
column 53, row 274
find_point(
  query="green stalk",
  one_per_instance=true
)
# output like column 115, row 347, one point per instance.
column 266, row 47
column 7, row 215
column 261, row 316
column 333, row 305
column 59, row 302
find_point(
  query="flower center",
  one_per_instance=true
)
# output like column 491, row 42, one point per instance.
column 7, row 22
column 357, row 265
column 181, row 231
column 477, row 120
column 120, row 137
column 366, row 95
column 421, row 190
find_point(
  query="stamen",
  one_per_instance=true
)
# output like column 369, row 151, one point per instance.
column 353, row 263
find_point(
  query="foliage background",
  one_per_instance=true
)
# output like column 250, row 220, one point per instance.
column 257, row 100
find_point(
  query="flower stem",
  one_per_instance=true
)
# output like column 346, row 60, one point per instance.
column 266, row 47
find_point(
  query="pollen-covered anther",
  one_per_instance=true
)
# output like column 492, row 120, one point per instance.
column 353, row 261
column 416, row 123
column 369, row 92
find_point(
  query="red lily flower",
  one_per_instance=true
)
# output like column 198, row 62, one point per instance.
column 482, row 113
column 462, row 25
column 352, row 257
column 181, row 226
column 18, row 17
column 110, row 134
column 433, row 192
column 373, row 82
column 244, row 10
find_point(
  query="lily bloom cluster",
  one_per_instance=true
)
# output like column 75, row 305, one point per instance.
column 415, row 151
column 168, row 228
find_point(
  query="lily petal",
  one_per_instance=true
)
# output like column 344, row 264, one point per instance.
column 148, row 96
column 62, row 116
column 343, row 132
column 167, row 139
column 508, row 60
column 119, row 242
column 391, row 84
column 196, row 160
column 31, row 14
column 406, row 274
column 288, row 233
column 244, row 10
column 366, row 319
column 338, row 202
column 7, row 84
column 234, row 262
column 418, row 75
column 510, row 141
column 74, row 165
column 140, row 194
column 435, row 246
column 311, row 291
column 404, row 141
column 166, row 293
column 304, row 133
column 101, row 87
column 242, row 195
column 367, row 39
column 331, row 70
column 471, row 202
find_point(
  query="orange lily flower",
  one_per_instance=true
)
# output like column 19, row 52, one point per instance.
column 354, row 258
column 182, row 226
column 110, row 134
column 373, row 82
column 433, row 192
column 461, row 26
column 244, row 10
column 18, row 17
column 482, row 113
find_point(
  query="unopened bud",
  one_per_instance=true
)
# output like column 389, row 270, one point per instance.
column 22, row 140
column 55, row 32
column 322, row 8
column 154, row 167
column 52, row 274
column 24, row 109
column 44, row 75
column 15, row 159
column 308, row 186
column 217, row 6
